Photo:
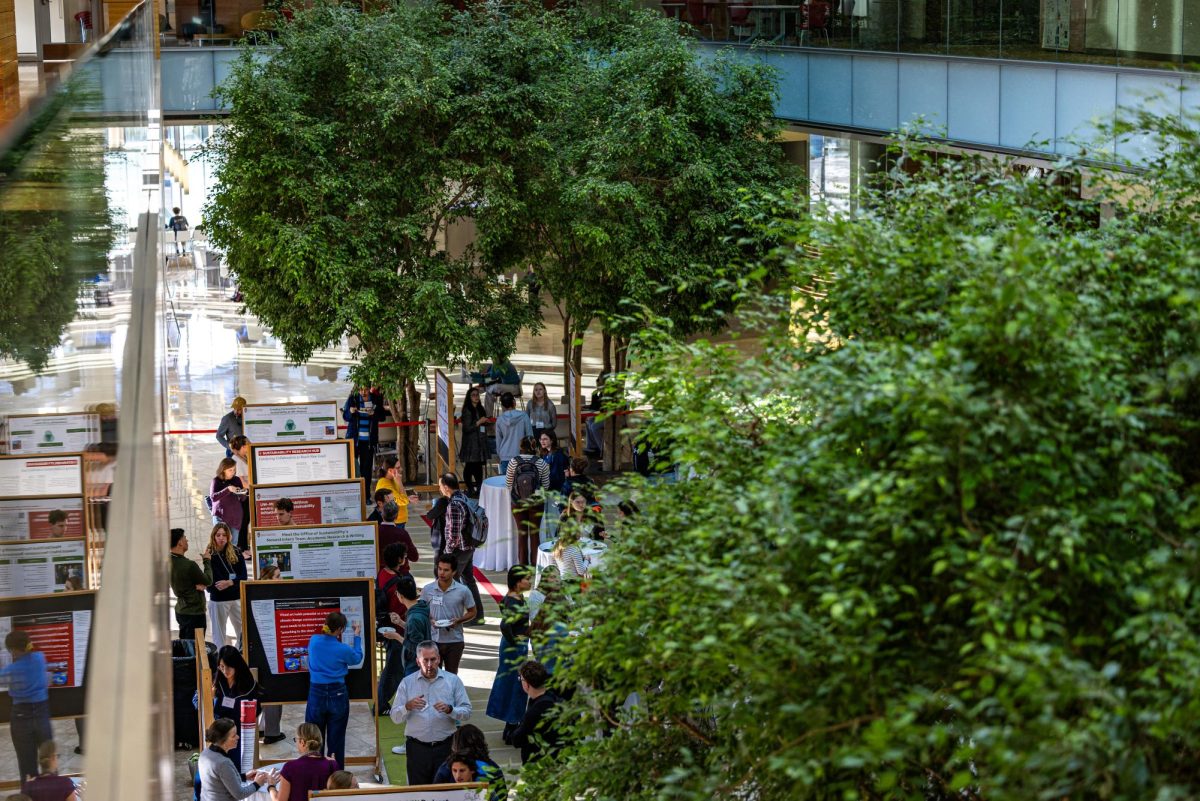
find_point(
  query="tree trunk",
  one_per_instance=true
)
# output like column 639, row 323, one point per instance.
column 606, row 346
column 568, row 341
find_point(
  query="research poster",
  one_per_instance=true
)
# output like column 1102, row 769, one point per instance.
column 62, row 637
column 313, row 504
column 291, row 422
column 42, row 568
column 445, row 419
column 41, row 518
column 52, row 433
column 301, row 462
column 285, row 626
column 317, row 552
column 24, row 476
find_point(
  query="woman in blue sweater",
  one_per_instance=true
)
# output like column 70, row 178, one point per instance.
column 28, row 686
column 329, row 660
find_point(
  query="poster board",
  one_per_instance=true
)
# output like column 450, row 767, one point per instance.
column 279, row 617
column 342, row 501
column 29, row 434
column 331, row 551
column 55, row 475
column 475, row 791
column 573, row 411
column 444, row 422
column 42, row 567
column 291, row 422
column 60, row 626
column 301, row 462
column 29, row 518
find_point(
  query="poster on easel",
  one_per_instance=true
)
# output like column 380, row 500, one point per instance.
column 319, row 502
column 445, row 422
column 281, row 617
column 41, row 518
column 317, row 552
column 573, row 411
column 472, row 791
column 42, row 568
column 301, row 462
column 59, row 626
column 30, row 476
column 51, row 433
column 291, row 422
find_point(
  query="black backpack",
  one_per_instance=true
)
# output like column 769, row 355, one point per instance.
column 382, row 607
column 526, row 481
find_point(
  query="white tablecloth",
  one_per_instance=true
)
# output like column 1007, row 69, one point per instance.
column 500, row 550
column 593, row 552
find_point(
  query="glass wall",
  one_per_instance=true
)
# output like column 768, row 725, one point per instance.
column 82, row 546
column 1137, row 33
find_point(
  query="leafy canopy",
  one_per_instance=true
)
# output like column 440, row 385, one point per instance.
column 940, row 543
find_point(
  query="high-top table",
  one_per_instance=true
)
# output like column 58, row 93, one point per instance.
column 500, row 550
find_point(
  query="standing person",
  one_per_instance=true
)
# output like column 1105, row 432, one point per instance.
column 541, row 700
column 188, row 582
column 542, row 414
column 558, row 462
column 417, row 629
column 231, row 424
column 381, row 497
column 450, row 605
column 363, row 411
column 473, row 443
column 283, row 511
column 308, row 772
column 429, row 703
column 392, row 534
column 233, row 683
column 527, row 478
column 225, row 593
column 507, row 700
column 329, row 660
column 219, row 778
column 392, row 480
column 390, row 622
column 28, row 686
column 226, row 492
column 455, row 519
column 48, row 785
column 241, row 455
column 512, row 426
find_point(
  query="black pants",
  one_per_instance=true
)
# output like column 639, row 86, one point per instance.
column 366, row 460
column 473, row 476
column 451, row 654
column 424, row 759
column 389, row 679
column 464, row 571
column 188, row 624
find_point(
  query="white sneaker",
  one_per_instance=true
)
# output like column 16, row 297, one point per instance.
column 399, row 749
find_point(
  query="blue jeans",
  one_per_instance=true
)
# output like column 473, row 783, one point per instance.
column 329, row 708
column 29, row 729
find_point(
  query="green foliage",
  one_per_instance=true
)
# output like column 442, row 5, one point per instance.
column 655, row 152
column 940, row 543
column 346, row 153
column 56, row 228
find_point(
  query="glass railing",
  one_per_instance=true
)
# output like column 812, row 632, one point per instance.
column 82, row 541
column 1129, row 33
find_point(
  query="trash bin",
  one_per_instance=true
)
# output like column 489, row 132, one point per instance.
column 183, row 687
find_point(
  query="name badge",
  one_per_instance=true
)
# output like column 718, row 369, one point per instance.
column 228, row 703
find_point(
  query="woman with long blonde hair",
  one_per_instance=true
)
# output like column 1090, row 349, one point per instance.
column 308, row 772
column 541, row 409
column 224, row 594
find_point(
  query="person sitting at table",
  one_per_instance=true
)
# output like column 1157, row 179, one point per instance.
column 567, row 555
column 500, row 378
column 219, row 779
column 341, row 780
column 308, row 772
column 48, row 785
column 583, row 519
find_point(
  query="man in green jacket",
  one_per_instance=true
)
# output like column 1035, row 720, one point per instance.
column 188, row 582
